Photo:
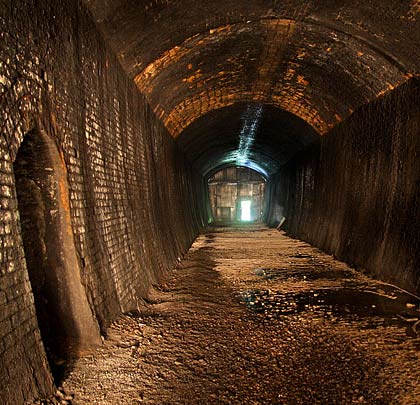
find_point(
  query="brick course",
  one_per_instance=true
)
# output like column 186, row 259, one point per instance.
column 131, row 191
column 355, row 194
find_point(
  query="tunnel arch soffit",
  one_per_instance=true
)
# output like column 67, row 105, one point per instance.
column 255, row 167
column 262, row 164
column 294, row 93
column 258, row 136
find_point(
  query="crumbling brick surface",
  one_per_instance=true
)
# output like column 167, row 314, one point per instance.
column 131, row 192
column 318, row 60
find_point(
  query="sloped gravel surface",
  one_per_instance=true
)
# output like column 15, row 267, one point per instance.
column 251, row 316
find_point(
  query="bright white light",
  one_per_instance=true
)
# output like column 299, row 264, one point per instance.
column 245, row 210
column 250, row 123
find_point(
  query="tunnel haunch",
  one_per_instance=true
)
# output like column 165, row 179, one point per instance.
column 356, row 193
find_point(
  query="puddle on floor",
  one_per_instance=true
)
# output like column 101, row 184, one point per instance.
column 303, row 256
column 348, row 304
column 315, row 273
column 209, row 238
column 206, row 249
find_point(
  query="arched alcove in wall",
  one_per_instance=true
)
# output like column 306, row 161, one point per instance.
column 65, row 319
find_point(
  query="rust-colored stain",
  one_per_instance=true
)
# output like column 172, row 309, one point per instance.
column 301, row 80
column 218, row 30
column 144, row 80
column 414, row 10
column 197, row 105
column 288, row 88
column 62, row 185
column 278, row 33
column 53, row 120
column 193, row 78
column 290, row 99
column 63, row 194
column 391, row 86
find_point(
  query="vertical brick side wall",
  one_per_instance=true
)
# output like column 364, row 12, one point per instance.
column 133, row 201
column 357, row 193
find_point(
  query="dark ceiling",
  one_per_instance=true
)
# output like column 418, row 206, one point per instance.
column 315, row 61
column 252, row 135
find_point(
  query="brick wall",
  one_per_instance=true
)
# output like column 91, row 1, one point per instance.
column 356, row 193
column 132, row 195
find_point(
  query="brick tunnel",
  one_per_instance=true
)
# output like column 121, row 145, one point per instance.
column 133, row 133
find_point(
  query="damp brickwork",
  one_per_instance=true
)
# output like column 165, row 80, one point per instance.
column 355, row 193
column 260, row 136
column 132, row 201
column 317, row 60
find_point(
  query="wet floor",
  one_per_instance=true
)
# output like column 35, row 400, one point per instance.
column 352, row 298
column 339, row 305
column 251, row 316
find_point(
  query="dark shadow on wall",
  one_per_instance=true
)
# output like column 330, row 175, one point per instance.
column 64, row 317
column 356, row 194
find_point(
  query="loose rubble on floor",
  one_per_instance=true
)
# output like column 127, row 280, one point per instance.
column 251, row 316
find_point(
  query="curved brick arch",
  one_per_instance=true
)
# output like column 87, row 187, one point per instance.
column 309, row 70
column 318, row 61
column 258, row 136
column 137, row 192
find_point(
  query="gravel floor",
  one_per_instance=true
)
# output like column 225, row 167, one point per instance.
column 251, row 316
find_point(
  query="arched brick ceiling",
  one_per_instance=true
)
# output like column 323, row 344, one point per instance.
column 318, row 60
column 261, row 137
